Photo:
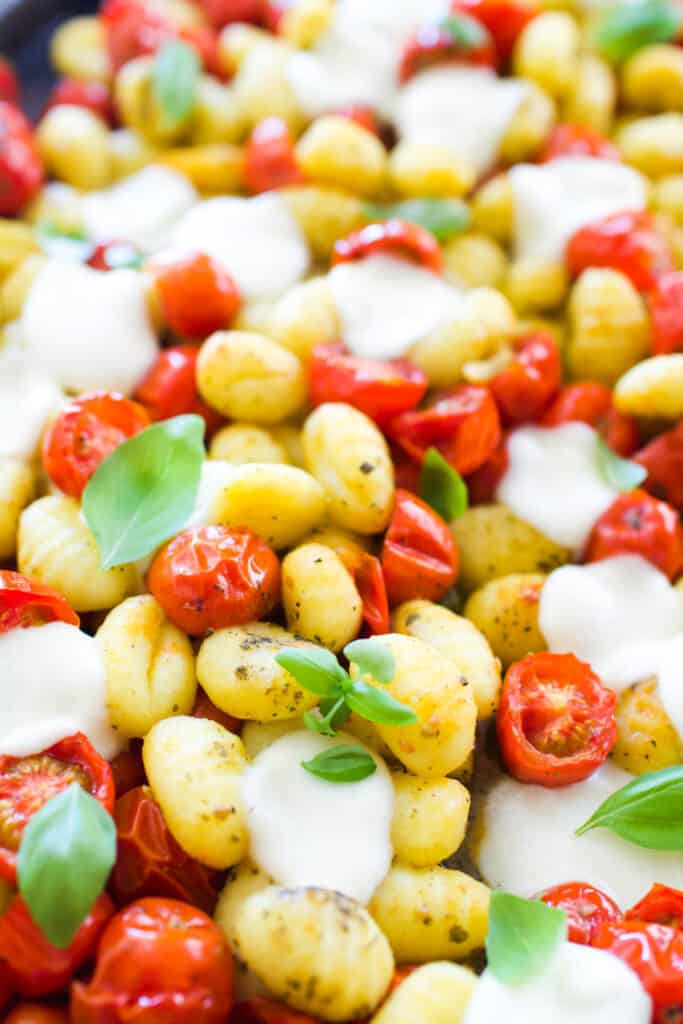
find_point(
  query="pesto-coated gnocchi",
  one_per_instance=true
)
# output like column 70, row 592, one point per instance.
column 309, row 574
column 437, row 993
column 244, row 442
column 17, row 486
column 430, row 819
column 506, row 612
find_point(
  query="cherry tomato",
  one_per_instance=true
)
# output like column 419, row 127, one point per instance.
column 205, row 708
column 21, row 169
column 556, row 720
column 26, row 783
column 586, row 907
column 393, row 237
column 364, row 116
column 655, row 953
column 483, row 483
column 36, row 967
column 379, row 389
column 210, row 577
column 135, row 28
column 116, row 255
column 197, row 295
column 419, row 556
column 170, row 388
column 406, row 472
column 35, row 1013
column 85, row 433
column 274, row 12
column 159, row 962
column 638, row 524
column 505, row 20
column 663, row 460
column 526, row 387
column 270, row 157
column 76, row 93
column 453, row 40
column 9, row 83
column 591, row 403
column 665, row 302
column 661, row 905
column 629, row 242
column 224, row 12
column 463, row 424
column 128, row 769
column 260, row 1010
column 369, row 579
column 6, row 986
column 25, row 602
column 577, row 140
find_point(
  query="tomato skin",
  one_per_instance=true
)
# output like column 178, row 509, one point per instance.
column 35, row 1013
column 665, row 303
column 85, row 433
column 205, row 708
column 270, row 157
column 435, row 44
column 628, row 242
column 361, row 115
column 577, row 140
column 638, row 524
column 170, row 388
column 663, row 460
column 197, row 295
column 394, row 237
column 159, row 961
column 21, row 168
column 525, row 388
column 224, row 12
column 210, row 577
column 114, row 255
column 591, row 403
column 586, row 907
column 134, row 28
column 483, row 483
column 661, row 905
column 567, row 709
column 128, row 769
column 655, row 953
column 9, row 83
column 419, row 555
column 25, row 602
column 94, row 96
column 505, row 20
column 260, row 1010
column 379, row 389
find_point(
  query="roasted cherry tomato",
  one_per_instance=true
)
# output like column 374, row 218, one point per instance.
column 463, row 424
column 36, row 967
column 25, row 602
column 6, row 986
column 76, row 93
column 556, row 721
column 135, row 28
column 197, row 295
column 406, row 472
column 225, row 12
column 655, row 953
column 210, row 577
column 505, row 20
column 9, row 83
column 26, row 783
column 205, row 708
column 663, row 460
column 35, row 1013
column 85, row 433
column 170, row 388
column 666, row 314
column 628, row 242
column 591, row 403
column 482, row 484
column 21, row 169
column 116, row 255
column 274, row 12
column 456, row 39
column 661, row 905
column 370, row 584
column 586, row 907
column 577, row 140
column 379, row 389
column 527, row 386
column 128, row 769
column 638, row 524
column 260, row 1010
column 419, row 556
column 393, row 237
column 270, row 157
column 159, row 962
column 364, row 116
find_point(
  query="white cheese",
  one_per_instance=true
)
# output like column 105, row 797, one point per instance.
column 395, row 19
column 216, row 475
column 53, row 682
column 27, row 401
column 553, row 200
column 670, row 681
column 306, row 831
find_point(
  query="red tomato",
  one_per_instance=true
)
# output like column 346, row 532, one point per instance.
column 135, row 28
column 205, row 708
column 577, row 140
column 661, row 905
column 274, row 12
column 197, row 295
column 9, row 84
column 666, row 314
column 526, row 387
column 170, row 388
column 394, row 237
column 21, row 169
column 76, row 93
column 591, row 403
column 406, row 472
column 379, row 389
column 505, row 20
column 34, row 1013
column 225, row 12
column 270, row 157
column 159, row 962
column 210, row 577
column 482, row 484
column 556, row 720
column 419, row 555
column 655, row 953
column 663, row 460
column 586, row 907
column 463, row 424
column 369, row 579
column 116, row 255
column 364, row 116
column 36, row 967
column 638, row 524
column 26, row 783
column 6, row 986
column 128, row 769
column 458, row 39
column 259, row 1010
column 25, row 602
column 629, row 242
column 85, row 433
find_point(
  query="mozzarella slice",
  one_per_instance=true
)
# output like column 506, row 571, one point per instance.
column 670, row 681
column 27, row 400
column 395, row 19
column 306, row 831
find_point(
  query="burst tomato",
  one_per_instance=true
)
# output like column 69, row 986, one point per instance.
column 35, row 1013
column 482, row 484
column 663, row 460
column 370, row 584
column 556, row 721
column 577, row 140
column 393, row 237
column 270, row 157
column 260, row 1010
column 116, row 255
column 76, row 93
column 586, row 907
column 638, row 524
column 628, row 242
column 419, row 555
column 159, row 962
column 25, row 602
column 224, row 12
column 170, row 388
column 135, row 28
column 655, row 953
column 197, row 295
column 379, row 389
column 666, row 314
column 661, row 905
column 591, row 403
column 454, row 39
column 128, row 769
column 85, row 433
column 210, row 577
column 9, row 83
column 505, row 20
column 526, row 387
column 21, row 169
column 205, row 708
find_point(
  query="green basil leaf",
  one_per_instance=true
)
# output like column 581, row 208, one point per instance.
column 443, row 217
column 145, row 491
column 523, row 937
column 65, row 243
column 341, row 764
column 647, row 811
column 332, row 713
column 314, row 668
column 442, row 487
column 617, row 472
column 175, row 78
column 372, row 658
column 67, row 851
column 627, row 28
column 464, row 30
column 378, row 706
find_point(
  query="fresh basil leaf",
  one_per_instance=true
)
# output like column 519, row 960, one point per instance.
column 145, row 491
column 67, row 851
column 625, row 29
column 443, row 217
column 523, row 937
column 442, row 487
column 372, row 658
column 64, row 243
column 647, row 811
column 175, row 78
column 378, row 706
column 464, row 30
column 615, row 471
column 332, row 713
column 342, row 764
column 314, row 668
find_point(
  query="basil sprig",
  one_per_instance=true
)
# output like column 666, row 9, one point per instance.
column 442, row 487
column 67, row 851
column 343, row 763
column 523, row 937
column 647, row 811
column 625, row 29
column 620, row 473
column 145, row 491
column 443, row 217
column 175, row 78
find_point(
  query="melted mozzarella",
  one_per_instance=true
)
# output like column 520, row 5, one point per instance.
column 257, row 241
column 554, row 483
column 467, row 110
column 395, row 19
column 53, row 683
column 27, row 401
column 387, row 304
column 529, row 841
column 554, row 200
column 580, row 985
column 670, row 681
column 306, row 831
